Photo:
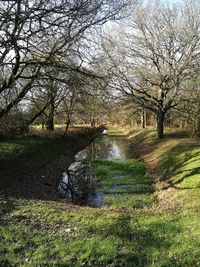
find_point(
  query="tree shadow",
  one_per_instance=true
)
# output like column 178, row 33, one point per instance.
column 141, row 240
column 7, row 205
column 177, row 134
column 192, row 172
column 175, row 165
column 34, row 168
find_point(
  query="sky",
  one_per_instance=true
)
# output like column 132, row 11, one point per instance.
column 175, row 1
column 170, row 1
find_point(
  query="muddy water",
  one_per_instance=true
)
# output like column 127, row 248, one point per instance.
column 105, row 148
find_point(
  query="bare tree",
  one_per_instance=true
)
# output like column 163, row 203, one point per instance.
column 187, row 113
column 92, row 103
column 157, row 51
column 25, row 28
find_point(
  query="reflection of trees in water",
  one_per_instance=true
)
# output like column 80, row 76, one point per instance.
column 123, row 146
column 80, row 184
column 78, row 181
column 100, row 148
column 109, row 148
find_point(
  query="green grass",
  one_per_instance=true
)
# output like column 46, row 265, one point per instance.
column 35, row 232
column 177, row 160
column 116, row 131
column 123, row 233
column 124, row 183
column 31, row 146
column 183, row 173
column 28, row 147
column 30, row 166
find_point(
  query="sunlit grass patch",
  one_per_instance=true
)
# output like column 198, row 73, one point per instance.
column 116, row 131
column 98, row 237
column 39, row 233
column 124, row 183
column 181, row 167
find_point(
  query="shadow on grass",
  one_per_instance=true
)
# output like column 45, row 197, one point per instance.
column 31, row 166
column 177, row 134
column 181, row 161
column 134, row 241
column 147, row 141
column 7, row 205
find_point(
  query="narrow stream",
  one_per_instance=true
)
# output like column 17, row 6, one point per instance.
column 85, row 188
column 106, row 147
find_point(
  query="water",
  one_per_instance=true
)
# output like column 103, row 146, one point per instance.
column 84, row 183
column 106, row 147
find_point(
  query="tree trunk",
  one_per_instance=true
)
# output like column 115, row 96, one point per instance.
column 143, row 119
column 43, row 124
column 19, row 97
column 160, row 124
column 93, row 123
column 50, row 124
column 198, row 124
column 37, row 115
column 67, row 127
column 50, row 119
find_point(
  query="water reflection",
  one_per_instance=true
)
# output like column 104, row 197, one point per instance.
column 79, row 182
column 106, row 147
column 95, row 200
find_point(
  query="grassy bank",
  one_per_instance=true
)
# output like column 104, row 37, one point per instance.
column 175, row 163
column 30, row 166
column 145, row 229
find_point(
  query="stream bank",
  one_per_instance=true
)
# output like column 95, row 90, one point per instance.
column 174, row 163
column 49, row 233
column 111, row 173
column 31, row 165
